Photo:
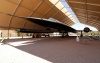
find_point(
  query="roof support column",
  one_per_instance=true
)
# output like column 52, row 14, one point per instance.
column 12, row 17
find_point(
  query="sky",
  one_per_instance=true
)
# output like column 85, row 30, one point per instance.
column 78, row 25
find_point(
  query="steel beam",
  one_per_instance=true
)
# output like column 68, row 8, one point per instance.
column 89, row 18
column 57, row 12
column 18, row 4
column 80, row 13
column 84, row 3
column 12, row 17
column 33, row 12
column 50, row 8
column 87, row 10
column 64, row 14
column 91, row 22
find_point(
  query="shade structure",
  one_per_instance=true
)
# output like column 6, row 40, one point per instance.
column 31, row 8
column 87, row 11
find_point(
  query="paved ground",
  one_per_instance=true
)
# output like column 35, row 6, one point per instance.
column 49, row 50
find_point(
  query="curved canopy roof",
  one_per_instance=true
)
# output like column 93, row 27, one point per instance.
column 31, row 8
column 87, row 11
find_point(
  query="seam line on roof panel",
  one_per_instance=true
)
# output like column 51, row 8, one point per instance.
column 18, row 4
column 80, row 13
column 68, row 22
column 57, row 12
column 7, row 27
column 65, row 17
column 12, row 17
column 88, row 18
column 21, row 6
column 94, row 24
column 25, row 7
column 14, row 13
column 87, row 10
column 50, row 8
column 84, row 3
column 33, row 13
column 36, row 9
column 63, row 14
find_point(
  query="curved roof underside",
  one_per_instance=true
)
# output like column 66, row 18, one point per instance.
column 87, row 11
column 31, row 8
